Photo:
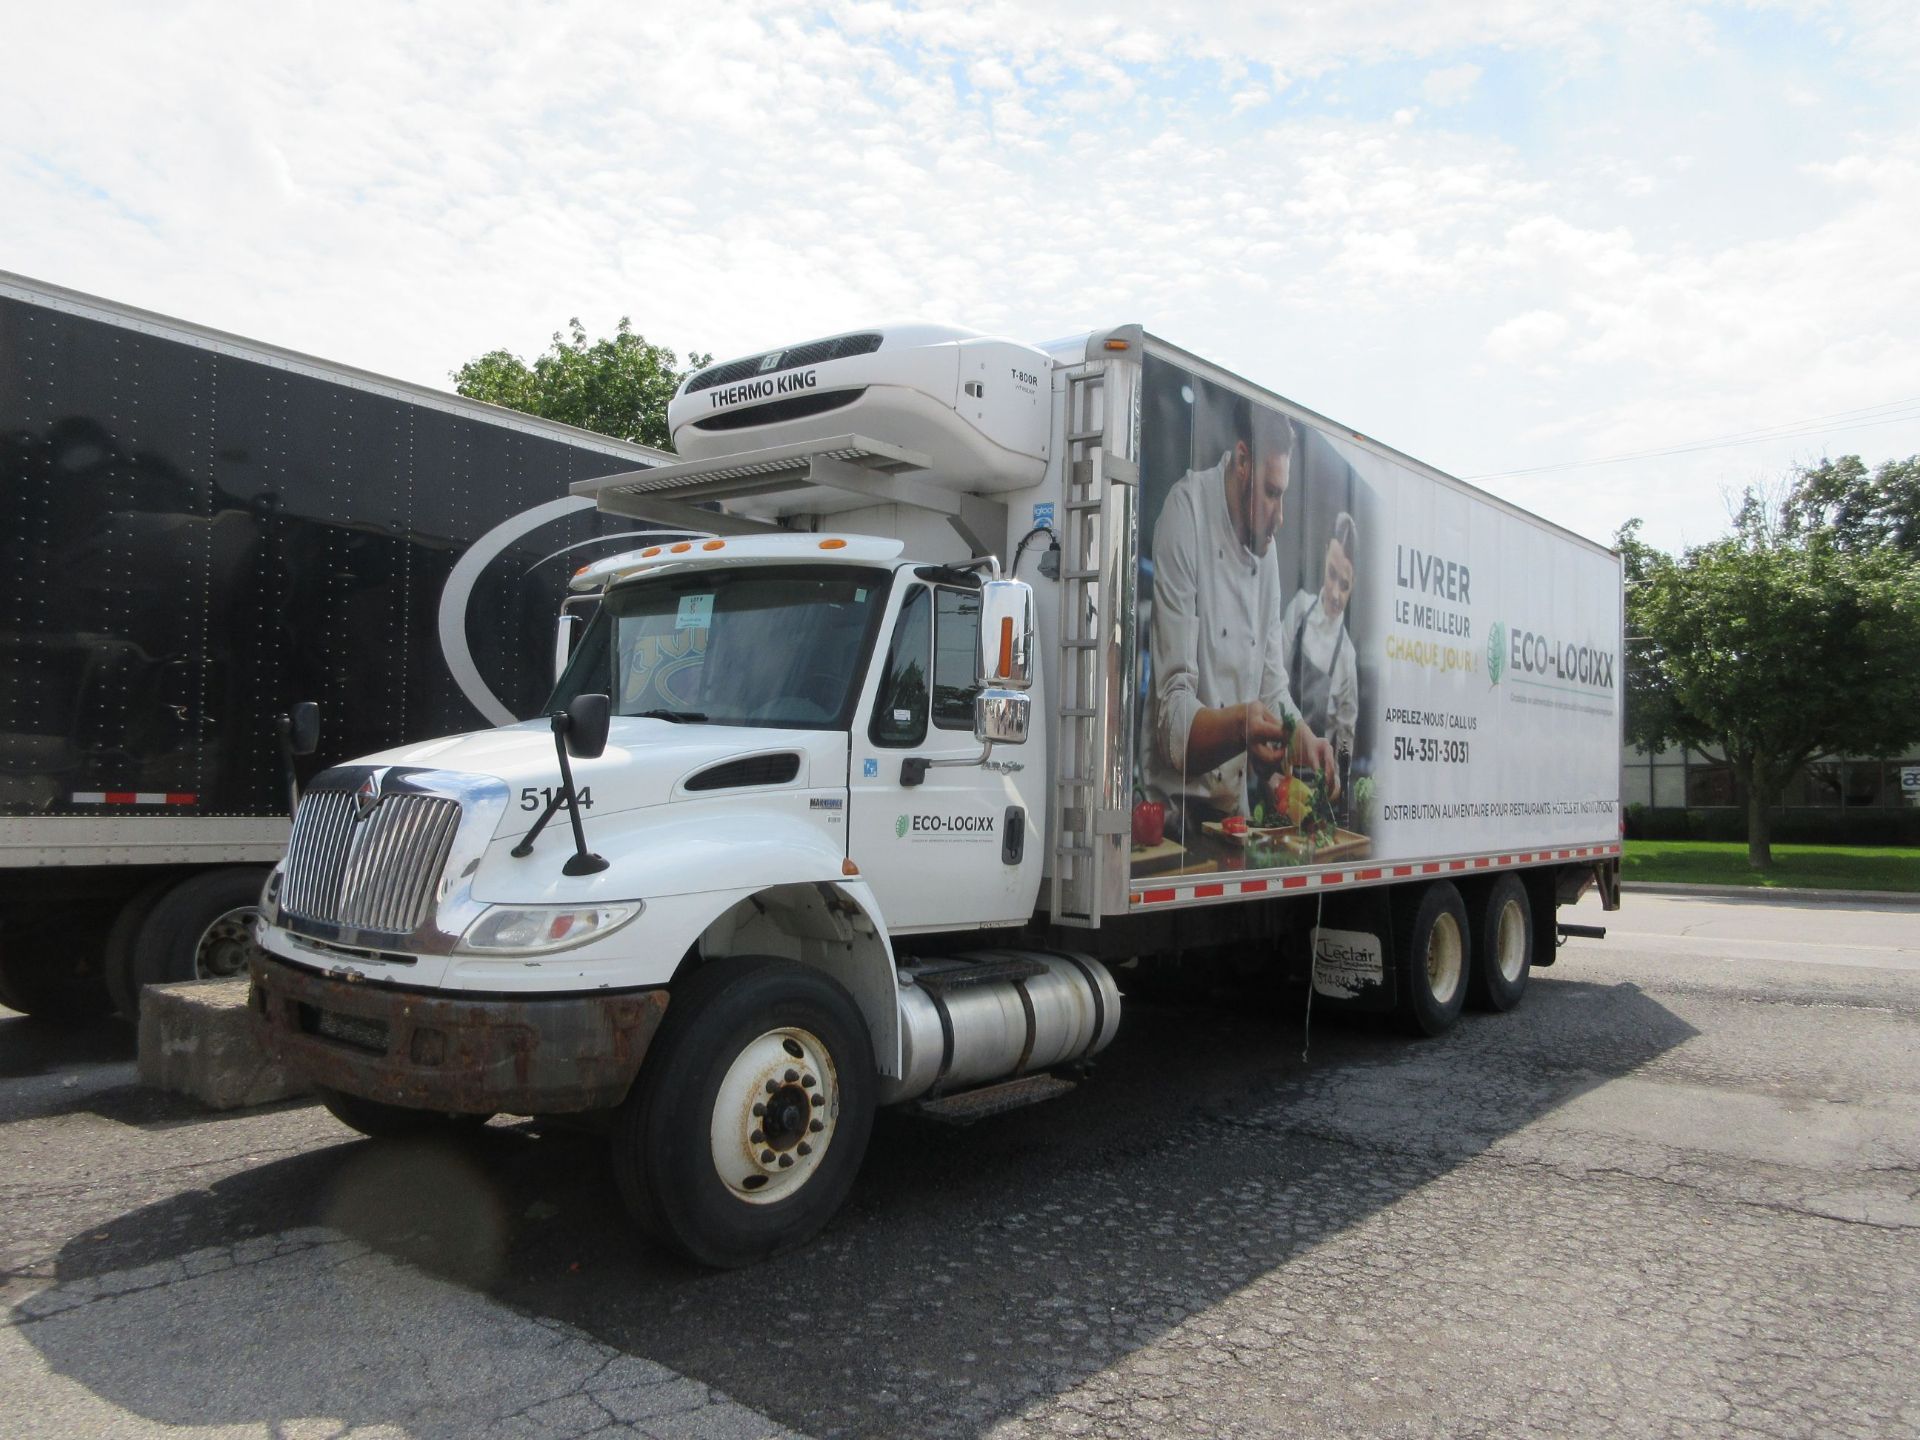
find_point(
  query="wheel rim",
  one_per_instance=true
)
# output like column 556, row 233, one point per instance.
column 1510, row 942
column 226, row 944
column 1443, row 959
column 775, row 1115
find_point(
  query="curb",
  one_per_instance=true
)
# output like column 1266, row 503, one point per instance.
column 1782, row 894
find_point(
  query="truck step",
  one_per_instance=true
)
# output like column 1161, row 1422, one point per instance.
column 996, row 1099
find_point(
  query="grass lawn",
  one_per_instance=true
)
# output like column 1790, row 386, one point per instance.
column 1817, row 867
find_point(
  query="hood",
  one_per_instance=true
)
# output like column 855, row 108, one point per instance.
column 645, row 763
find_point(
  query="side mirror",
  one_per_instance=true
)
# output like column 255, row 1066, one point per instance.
column 1000, row 717
column 587, row 719
column 303, row 728
column 1006, row 636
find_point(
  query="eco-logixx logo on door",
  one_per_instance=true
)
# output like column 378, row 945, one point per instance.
column 944, row 827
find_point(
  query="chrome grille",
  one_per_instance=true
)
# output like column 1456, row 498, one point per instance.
column 380, row 873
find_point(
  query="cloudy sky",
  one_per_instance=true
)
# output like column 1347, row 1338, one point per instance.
column 1566, row 247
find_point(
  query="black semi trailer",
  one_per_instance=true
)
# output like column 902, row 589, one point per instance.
column 198, row 532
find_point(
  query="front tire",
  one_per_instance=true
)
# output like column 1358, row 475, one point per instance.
column 1433, row 959
column 752, row 1112
column 1502, row 945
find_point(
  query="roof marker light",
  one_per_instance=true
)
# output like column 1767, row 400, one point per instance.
column 682, row 547
column 833, row 544
column 1116, row 344
column 714, row 545
column 649, row 552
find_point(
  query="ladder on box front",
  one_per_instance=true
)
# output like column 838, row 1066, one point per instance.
column 1087, row 549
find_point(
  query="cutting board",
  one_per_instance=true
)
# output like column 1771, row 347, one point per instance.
column 1148, row 859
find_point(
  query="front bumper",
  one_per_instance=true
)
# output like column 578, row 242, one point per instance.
column 430, row 1052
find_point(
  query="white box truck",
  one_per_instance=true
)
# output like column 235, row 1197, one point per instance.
column 1000, row 669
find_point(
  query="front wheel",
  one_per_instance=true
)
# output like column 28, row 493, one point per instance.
column 752, row 1112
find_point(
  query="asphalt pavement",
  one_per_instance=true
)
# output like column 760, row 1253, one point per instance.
column 1675, row 1193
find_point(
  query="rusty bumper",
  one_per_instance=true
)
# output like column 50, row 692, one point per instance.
column 529, row 1056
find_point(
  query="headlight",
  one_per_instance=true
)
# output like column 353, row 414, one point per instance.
column 538, row 929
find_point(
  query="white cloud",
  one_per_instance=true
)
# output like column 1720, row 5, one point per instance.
column 1528, row 338
column 1451, row 84
column 405, row 189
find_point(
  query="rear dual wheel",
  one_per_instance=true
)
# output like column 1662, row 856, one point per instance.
column 1456, row 949
column 1502, row 945
column 752, row 1112
column 1430, row 925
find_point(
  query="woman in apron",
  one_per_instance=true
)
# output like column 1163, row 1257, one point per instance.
column 1320, row 659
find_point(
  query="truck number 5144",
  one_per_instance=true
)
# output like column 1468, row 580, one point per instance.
column 538, row 797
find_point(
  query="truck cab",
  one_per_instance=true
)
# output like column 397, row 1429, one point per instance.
column 738, row 886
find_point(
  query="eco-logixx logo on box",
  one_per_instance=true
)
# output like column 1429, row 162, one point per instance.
column 1529, row 658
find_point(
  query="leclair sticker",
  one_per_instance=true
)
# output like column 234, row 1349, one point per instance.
column 1345, row 962
column 696, row 613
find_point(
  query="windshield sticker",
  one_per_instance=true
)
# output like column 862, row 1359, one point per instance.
column 696, row 612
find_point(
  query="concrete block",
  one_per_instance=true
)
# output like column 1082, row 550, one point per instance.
column 196, row 1038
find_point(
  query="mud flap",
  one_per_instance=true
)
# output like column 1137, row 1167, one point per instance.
column 1351, row 953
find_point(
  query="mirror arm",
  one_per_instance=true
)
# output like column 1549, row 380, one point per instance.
column 583, row 861
column 913, row 768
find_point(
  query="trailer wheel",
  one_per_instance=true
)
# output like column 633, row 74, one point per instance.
column 380, row 1121
column 1434, row 955
column 122, row 952
column 751, row 1115
column 1502, row 945
column 50, row 963
column 201, row 929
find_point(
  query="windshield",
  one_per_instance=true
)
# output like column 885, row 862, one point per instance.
column 776, row 646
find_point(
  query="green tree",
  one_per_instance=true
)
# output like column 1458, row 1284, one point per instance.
column 1773, row 645
column 1839, row 502
column 617, row 386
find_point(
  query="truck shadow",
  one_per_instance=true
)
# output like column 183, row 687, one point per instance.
column 975, row 1271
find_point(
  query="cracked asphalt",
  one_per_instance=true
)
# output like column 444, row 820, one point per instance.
column 1676, row 1193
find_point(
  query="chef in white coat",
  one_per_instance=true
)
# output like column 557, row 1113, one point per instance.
column 1220, row 700
column 1322, row 671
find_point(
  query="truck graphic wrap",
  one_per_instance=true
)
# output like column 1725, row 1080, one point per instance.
column 1345, row 658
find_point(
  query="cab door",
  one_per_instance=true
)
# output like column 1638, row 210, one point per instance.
column 961, row 847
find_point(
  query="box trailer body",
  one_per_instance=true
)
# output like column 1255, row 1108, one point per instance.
column 201, row 531
column 1002, row 667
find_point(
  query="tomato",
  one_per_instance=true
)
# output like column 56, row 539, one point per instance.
column 1149, row 823
column 1234, row 825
